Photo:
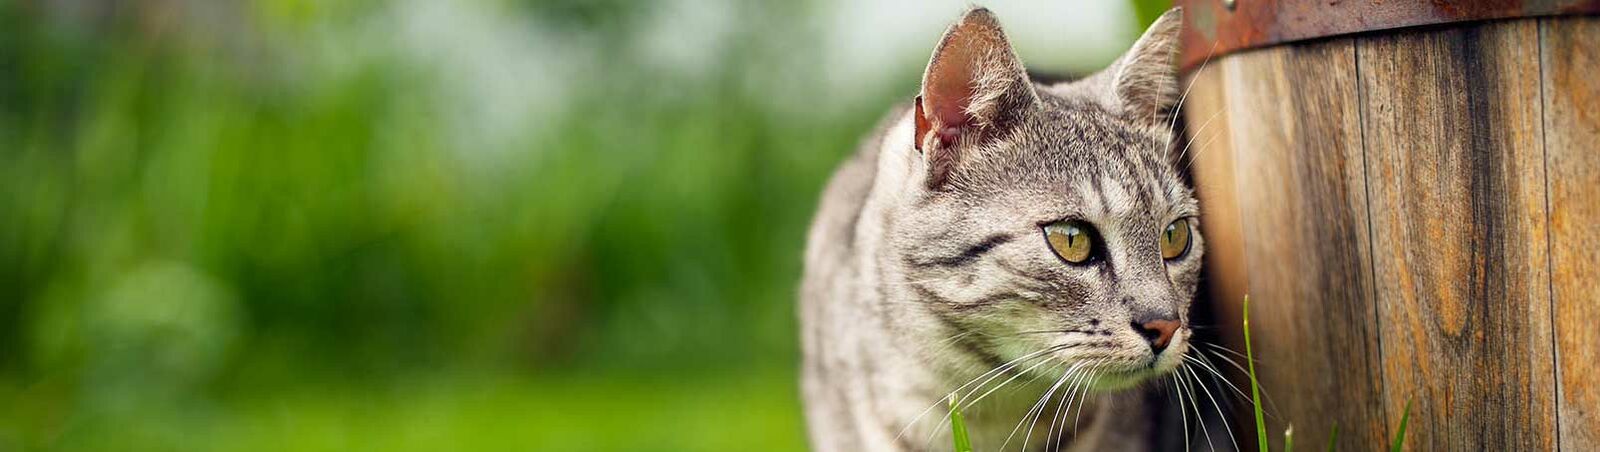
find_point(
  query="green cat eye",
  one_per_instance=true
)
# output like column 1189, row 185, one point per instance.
column 1073, row 241
column 1175, row 239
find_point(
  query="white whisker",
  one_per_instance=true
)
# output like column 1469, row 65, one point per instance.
column 1077, row 391
column 1177, row 109
column 1083, row 401
column 1197, row 133
column 1003, row 383
column 1266, row 396
column 1039, row 405
column 1058, row 409
column 1224, row 417
column 1066, row 400
column 996, row 371
column 1194, row 403
column 1177, row 389
column 1217, row 375
column 1203, row 148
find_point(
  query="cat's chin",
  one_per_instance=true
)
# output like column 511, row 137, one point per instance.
column 1126, row 379
column 1118, row 378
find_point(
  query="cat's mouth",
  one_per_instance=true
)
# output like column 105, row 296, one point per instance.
column 1118, row 378
column 1121, row 374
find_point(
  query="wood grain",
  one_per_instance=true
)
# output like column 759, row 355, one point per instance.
column 1570, row 56
column 1209, row 154
column 1302, row 194
column 1455, row 166
column 1416, row 216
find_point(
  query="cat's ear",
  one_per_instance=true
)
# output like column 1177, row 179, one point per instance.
column 973, row 88
column 1144, row 82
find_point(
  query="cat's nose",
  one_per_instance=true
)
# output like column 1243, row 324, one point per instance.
column 1158, row 332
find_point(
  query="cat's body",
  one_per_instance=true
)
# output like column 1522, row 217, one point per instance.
column 927, row 266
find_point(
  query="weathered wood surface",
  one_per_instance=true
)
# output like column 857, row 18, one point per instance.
column 1570, row 59
column 1215, row 184
column 1399, row 235
column 1456, row 169
column 1305, row 229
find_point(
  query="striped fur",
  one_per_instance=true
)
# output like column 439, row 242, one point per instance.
column 927, row 266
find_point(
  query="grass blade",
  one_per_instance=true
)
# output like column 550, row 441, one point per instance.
column 1288, row 439
column 958, row 427
column 1333, row 436
column 1255, row 386
column 1400, row 436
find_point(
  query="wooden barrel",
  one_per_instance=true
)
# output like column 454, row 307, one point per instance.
column 1409, row 191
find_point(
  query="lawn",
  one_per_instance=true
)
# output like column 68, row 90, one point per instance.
column 608, row 411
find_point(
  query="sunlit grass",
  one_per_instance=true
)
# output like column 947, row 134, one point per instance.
column 731, row 411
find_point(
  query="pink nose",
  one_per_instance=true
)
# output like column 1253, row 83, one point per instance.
column 1159, row 332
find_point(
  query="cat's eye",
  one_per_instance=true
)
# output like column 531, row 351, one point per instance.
column 1073, row 241
column 1175, row 239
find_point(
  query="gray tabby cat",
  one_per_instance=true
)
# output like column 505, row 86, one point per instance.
column 1001, row 232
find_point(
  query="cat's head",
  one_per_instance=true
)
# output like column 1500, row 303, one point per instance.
column 1051, row 219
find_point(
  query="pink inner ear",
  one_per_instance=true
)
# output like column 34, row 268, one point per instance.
column 969, row 51
column 949, row 120
column 949, row 92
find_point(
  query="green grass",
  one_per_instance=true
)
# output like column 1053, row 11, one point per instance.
column 1288, row 438
column 958, row 427
column 1400, row 435
column 1255, row 385
column 577, row 412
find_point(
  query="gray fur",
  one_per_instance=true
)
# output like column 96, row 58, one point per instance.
column 925, row 269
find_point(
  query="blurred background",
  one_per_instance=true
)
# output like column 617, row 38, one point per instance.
column 429, row 225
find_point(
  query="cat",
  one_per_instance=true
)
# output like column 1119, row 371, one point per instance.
column 998, row 232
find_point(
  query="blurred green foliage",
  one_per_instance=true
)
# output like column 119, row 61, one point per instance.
column 236, row 226
column 1146, row 11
